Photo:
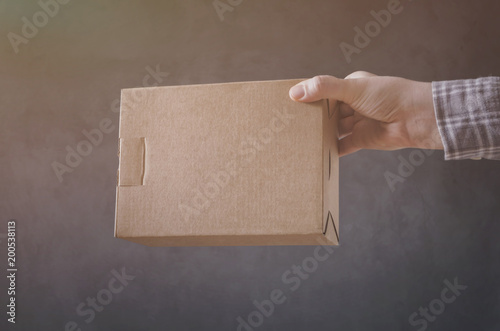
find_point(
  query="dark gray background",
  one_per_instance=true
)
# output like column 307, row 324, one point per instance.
column 397, row 247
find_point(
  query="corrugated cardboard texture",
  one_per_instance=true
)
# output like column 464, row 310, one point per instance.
column 226, row 164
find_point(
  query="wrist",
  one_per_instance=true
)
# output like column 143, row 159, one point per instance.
column 421, row 123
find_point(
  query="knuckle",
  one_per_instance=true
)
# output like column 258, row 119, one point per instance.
column 318, row 83
column 360, row 74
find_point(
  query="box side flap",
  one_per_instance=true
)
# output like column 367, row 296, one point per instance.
column 330, row 171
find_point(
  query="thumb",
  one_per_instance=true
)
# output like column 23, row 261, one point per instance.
column 326, row 87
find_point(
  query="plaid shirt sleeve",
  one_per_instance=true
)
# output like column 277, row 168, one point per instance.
column 468, row 117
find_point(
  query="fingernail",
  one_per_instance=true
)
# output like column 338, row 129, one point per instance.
column 297, row 92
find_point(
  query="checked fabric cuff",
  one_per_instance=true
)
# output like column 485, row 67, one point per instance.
column 468, row 117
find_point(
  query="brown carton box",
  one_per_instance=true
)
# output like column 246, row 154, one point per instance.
column 226, row 164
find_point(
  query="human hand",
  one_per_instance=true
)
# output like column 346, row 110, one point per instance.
column 384, row 113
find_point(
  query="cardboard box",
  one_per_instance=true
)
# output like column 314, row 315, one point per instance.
column 226, row 164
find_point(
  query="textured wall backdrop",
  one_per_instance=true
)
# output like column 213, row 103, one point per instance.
column 425, row 250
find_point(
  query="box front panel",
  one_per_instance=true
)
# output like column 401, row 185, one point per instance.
column 223, row 159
